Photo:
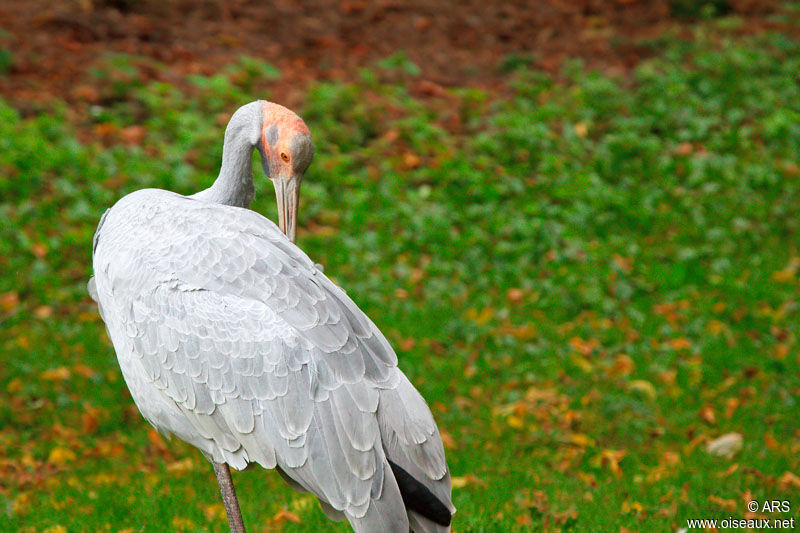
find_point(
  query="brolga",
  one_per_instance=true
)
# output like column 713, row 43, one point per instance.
column 231, row 338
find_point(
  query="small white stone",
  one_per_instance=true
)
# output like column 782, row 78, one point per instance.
column 726, row 445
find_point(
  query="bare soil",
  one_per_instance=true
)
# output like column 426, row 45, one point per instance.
column 54, row 45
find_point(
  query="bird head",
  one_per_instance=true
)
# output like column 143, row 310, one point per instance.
column 286, row 151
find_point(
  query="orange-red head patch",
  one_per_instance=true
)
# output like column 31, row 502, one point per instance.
column 280, row 124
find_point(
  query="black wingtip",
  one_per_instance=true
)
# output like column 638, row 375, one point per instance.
column 417, row 497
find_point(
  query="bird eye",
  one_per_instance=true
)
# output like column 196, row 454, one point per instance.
column 284, row 156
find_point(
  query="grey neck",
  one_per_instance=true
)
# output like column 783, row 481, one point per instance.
column 234, row 185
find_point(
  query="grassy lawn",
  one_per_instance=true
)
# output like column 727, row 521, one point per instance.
column 588, row 279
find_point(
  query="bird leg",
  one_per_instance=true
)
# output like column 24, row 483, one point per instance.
column 229, row 497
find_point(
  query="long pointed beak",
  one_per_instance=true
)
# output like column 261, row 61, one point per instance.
column 287, row 194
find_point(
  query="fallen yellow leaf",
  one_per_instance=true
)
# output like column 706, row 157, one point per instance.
column 43, row 311
column 522, row 332
column 480, row 317
column 9, row 301
column 729, row 505
column 788, row 480
column 59, row 456
column 583, row 347
column 448, row 440
column 581, row 439
column 185, row 465
column 731, row 405
column 21, row 503
column 670, row 458
column 583, row 363
column 14, row 386
column 708, row 415
column 665, row 466
column 61, row 373
column 215, row 511
column 623, row 263
column 611, row 458
column 461, row 482
column 39, row 250
column 623, row 365
column 788, row 273
column 411, row 160
column 516, row 422
column 181, row 523
column 780, row 351
column 155, row 439
column 681, row 343
column 730, row 470
column 458, row 482
column 84, row 371
column 643, row 387
column 285, row 516
column 104, row 478
column 715, row 327
column 89, row 420
column 515, row 295
column 407, row 344
column 631, row 507
column 302, row 504
column 87, row 316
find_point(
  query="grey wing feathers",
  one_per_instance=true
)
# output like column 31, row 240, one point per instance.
column 232, row 339
column 248, row 392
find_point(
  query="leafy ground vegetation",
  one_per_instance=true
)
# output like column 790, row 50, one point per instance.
column 592, row 280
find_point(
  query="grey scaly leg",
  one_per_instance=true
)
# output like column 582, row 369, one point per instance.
column 229, row 497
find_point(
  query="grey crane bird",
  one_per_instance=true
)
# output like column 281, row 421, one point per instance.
column 229, row 337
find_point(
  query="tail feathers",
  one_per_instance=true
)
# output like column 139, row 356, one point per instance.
column 386, row 513
column 418, row 498
column 420, row 524
column 331, row 512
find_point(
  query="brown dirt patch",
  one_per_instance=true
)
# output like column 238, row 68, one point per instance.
column 54, row 45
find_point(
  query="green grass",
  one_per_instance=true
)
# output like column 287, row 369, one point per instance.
column 587, row 280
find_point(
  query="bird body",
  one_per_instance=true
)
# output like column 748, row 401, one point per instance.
column 231, row 338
